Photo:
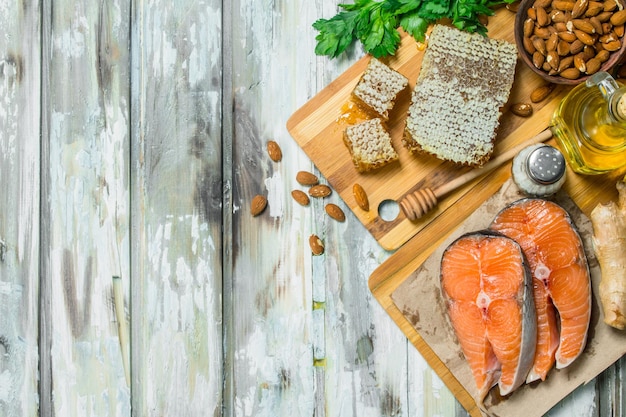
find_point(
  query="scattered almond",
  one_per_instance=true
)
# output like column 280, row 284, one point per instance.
column 274, row 151
column 360, row 196
column 335, row 212
column 316, row 244
column 320, row 191
column 300, row 197
column 306, row 178
column 258, row 204
column 522, row 109
column 540, row 93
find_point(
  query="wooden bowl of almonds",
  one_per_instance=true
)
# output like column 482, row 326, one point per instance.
column 566, row 41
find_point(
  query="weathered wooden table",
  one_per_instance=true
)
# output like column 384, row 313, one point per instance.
column 132, row 139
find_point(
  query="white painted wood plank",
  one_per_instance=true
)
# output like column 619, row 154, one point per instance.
column 364, row 370
column 86, row 200
column 177, row 311
column 274, row 336
column 20, row 71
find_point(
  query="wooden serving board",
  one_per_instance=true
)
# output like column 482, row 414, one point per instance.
column 318, row 128
column 419, row 302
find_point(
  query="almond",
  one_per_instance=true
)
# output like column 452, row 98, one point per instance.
column 538, row 59
column 306, row 178
column 274, row 151
column 360, row 197
column 539, row 44
column 565, row 63
column 552, row 42
column 316, row 245
column 522, row 109
column 589, row 52
column 597, row 25
column 543, row 33
column 605, row 16
column 542, row 3
column 579, row 62
column 563, row 48
column 335, row 212
column 612, row 46
column 580, row 7
column 585, row 25
column 553, row 59
column 540, row 93
column 564, row 5
column 529, row 25
column 528, row 45
column 610, row 5
column 576, row 47
column 594, row 8
column 603, row 55
column 257, row 205
column 593, row 66
column 542, row 17
column 557, row 16
column 571, row 73
column 618, row 18
column 567, row 36
column 584, row 37
column 320, row 191
column 300, row 197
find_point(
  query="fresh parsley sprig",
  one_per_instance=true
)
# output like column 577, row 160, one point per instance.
column 375, row 23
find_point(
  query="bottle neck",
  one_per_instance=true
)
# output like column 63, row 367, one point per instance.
column 618, row 104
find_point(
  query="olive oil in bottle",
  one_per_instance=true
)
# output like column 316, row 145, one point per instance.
column 590, row 125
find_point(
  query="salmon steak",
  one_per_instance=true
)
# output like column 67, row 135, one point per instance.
column 487, row 288
column 561, row 279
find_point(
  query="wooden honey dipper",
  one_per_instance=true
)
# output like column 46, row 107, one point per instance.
column 418, row 203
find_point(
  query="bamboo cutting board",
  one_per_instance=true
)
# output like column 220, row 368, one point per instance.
column 318, row 128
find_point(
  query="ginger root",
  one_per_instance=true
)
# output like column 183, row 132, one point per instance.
column 609, row 241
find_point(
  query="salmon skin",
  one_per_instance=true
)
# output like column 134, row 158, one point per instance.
column 561, row 279
column 487, row 287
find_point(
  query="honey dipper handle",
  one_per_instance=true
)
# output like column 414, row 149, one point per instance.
column 494, row 163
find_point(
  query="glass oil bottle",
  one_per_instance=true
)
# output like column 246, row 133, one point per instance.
column 589, row 125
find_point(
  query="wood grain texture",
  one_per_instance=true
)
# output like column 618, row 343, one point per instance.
column 308, row 338
column 132, row 135
column 86, row 200
column 20, row 94
column 176, row 315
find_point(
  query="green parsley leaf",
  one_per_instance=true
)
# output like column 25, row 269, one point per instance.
column 374, row 23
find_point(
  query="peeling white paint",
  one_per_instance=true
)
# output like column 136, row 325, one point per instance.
column 5, row 386
column 275, row 194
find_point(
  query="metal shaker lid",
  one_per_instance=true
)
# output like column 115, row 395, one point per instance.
column 545, row 165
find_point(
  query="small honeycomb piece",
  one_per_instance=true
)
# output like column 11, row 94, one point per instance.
column 378, row 88
column 370, row 145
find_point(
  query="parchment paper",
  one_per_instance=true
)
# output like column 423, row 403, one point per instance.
column 420, row 300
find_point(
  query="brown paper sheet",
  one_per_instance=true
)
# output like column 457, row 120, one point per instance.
column 420, row 300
